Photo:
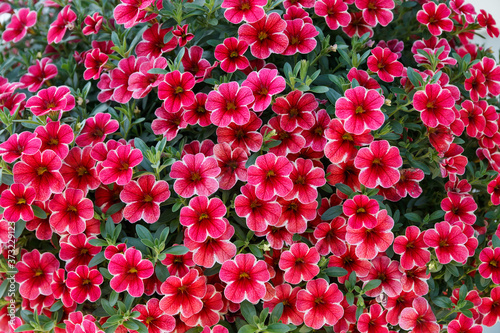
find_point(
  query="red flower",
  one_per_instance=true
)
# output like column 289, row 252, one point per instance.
column 296, row 110
column 229, row 104
column 18, row 145
column 387, row 271
column 65, row 20
column 374, row 321
column 55, row 137
column 248, row 10
column 384, row 62
column 300, row 37
column 84, row 284
column 210, row 313
column 96, row 128
column 141, row 82
column 231, row 55
column 288, row 296
column 449, row 242
column 363, row 78
column 245, row 277
column 42, row 228
column 486, row 20
column 412, row 248
column 34, row 273
column 258, row 213
column 494, row 190
column 291, row 142
column 341, row 144
column 193, row 62
column 119, row 164
column 129, row 270
column 153, row 43
column 118, row 79
column 374, row 240
column 38, row 74
column 183, row 295
column 196, row 113
column 244, row 136
column 78, row 170
column 453, row 162
column 315, row 136
column 69, row 211
column 182, row 35
column 59, row 288
column 306, row 179
column 320, row 303
column 92, row 24
column 178, row 265
column 153, row 317
column 52, row 99
column 331, row 237
column 195, row 175
column 459, row 208
column 475, row 85
column 376, row 11
column 175, row 90
column 232, row 164
column 143, row 198
column 77, row 251
column 361, row 211
column 19, row 24
column 270, row 175
column 295, row 215
column 491, row 72
column 300, row 263
column 489, row 267
column 357, row 26
column 40, row 171
column 436, row 105
column 334, row 12
column 435, row 18
column 264, row 84
column 168, row 124
column 203, row 218
column 378, row 164
column 16, row 202
column 265, row 36
column 463, row 324
column 490, row 308
column 130, row 12
column 419, row 318
column 408, row 183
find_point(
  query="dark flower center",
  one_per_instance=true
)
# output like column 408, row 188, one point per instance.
column 148, row 198
column 81, row 171
column 195, row 176
column 262, row 35
column 360, row 109
column 21, row 201
column 179, row 90
column 41, row 170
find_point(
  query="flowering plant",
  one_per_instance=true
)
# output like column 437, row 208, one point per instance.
column 248, row 166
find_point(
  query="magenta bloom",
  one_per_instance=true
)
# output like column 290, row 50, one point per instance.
column 231, row 55
column 320, row 303
column 376, row 11
column 203, row 218
column 129, row 270
column 334, row 12
column 19, row 24
column 140, row 82
column 38, row 74
column 388, row 272
column 65, row 20
column 258, row 213
column 331, row 237
column 175, row 90
column 143, row 198
column 35, row 273
column 300, row 263
column 360, row 108
column 95, row 61
column 232, row 165
column 229, row 104
column 129, row 12
column 419, row 318
column 412, row 248
column 264, row 84
column 436, row 105
column 79, row 170
column 84, row 284
column 17, row 145
column 265, row 36
column 378, row 164
column 245, row 277
column 296, row 110
column 490, row 308
column 195, row 175
column 361, row 211
column 300, row 37
column 435, row 17
column 248, row 10
column 306, row 179
column 183, row 295
column 385, row 63
column 154, row 318
column 70, row 210
column 92, row 24
column 464, row 324
column 270, row 175
column 96, row 128
column 459, row 208
column 374, row 321
column 448, row 241
column 153, row 42
column 17, row 201
column 119, row 164
column 288, row 296
column 52, row 99
column 489, row 268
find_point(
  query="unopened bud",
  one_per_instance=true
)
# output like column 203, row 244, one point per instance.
column 216, row 87
column 370, row 43
column 333, row 48
column 387, row 102
column 137, row 111
column 79, row 101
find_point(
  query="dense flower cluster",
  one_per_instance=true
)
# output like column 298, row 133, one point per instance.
column 248, row 166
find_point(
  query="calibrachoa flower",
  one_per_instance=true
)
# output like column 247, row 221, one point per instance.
column 34, row 273
column 300, row 37
column 361, row 211
column 459, row 208
column 300, row 263
column 38, row 74
column 231, row 55
column 175, row 91
column 412, row 248
column 143, row 198
column 376, row 11
column 129, row 270
column 95, row 62
column 248, row 10
column 436, row 105
column 435, row 17
column 232, row 165
column 384, row 62
column 320, row 303
column 331, row 237
column 419, row 318
column 334, row 12
column 195, row 174
column 78, row 170
column 264, row 84
column 306, row 179
column 288, row 297
column 17, row 201
column 490, row 308
column 119, row 164
column 230, row 104
column 92, row 24
column 270, row 175
column 153, row 42
column 70, row 210
column 52, row 99
column 203, row 218
column 84, row 284
column 374, row 321
column 489, row 267
column 448, row 241
column 296, row 110
column 153, row 317
column 245, row 277
column 77, row 251
column 387, row 271
column 64, row 21
column 96, row 129
column 19, row 24
column 464, row 324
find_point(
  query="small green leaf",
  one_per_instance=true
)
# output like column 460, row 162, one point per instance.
column 248, row 329
column 496, row 241
column 335, row 271
column 331, row 213
column 97, row 259
column 443, row 302
column 177, row 250
column 278, row 328
column 39, row 212
column 277, row 312
column 372, row 284
column 248, row 311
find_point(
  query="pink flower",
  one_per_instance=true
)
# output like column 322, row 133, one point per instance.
column 490, row 308
column 95, row 62
column 70, row 210
column 448, row 241
column 244, row 136
column 384, row 62
column 92, row 24
column 34, row 273
column 264, row 84
column 17, row 145
column 288, row 297
column 300, row 263
column 231, row 55
column 77, row 251
column 248, row 10
column 183, row 295
column 412, row 248
column 464, row 324
column 270, row 175
column 265, row 36
column 436, row 105
column 331, row 237
column 154, row 318
column 141, row 82
column 361, row 211
column 129, row 270
column 419, row 318
column 96, row 128
column 195, row 175
column 360, row 108
column 300, row 37
column 378, row 164
column 232, row 165
column 459, row 208
column 78, row 170
column 17, row 202
column 52, row 99
column 387, row 271
column 374, row 321
column 489, row 268
column 64, row 21
column 129, row 12
column 119, row 164
column 19, row 24
column 320, row 303
column 408, row 183
column 203, row 218
column 334, row 12
column 229, row 104
column 153, row 44
column 196, row 113
column 245, row 277
column 376, row 11
column 84, row 284
column 38, row 74
column 168, row 124
column 306, row 179
column 435, row 18
column 296, row 110
column 175, row 90
column 143, row 198
column 486, row 20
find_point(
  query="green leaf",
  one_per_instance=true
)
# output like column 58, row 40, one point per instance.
column 161, row 272
column 443, row 302
column 97, row 259
column 115, row 208
column 157, row 71
column 24, row 328
column 415, row 78
column 248, row 311
column 278, row 328
column 177, row 250
column 335, row 271
column 19, row 225
column 255, row 250
column 319, row 89
column 496, row 241
column 143, row 233
column 248, row 329
column 263, row 315
column 372, row 284
column 436, row 215
column 56, row 306
column 277, row 312
column 414, row 217
column 130, row 324
column 113, row 298
column 331, row 213
column 349, row 298
column 40, row 213
column 344, row 189
column 109, row 309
